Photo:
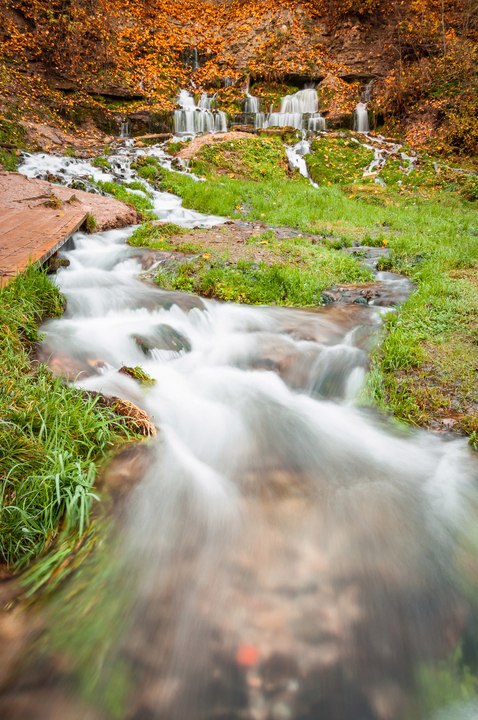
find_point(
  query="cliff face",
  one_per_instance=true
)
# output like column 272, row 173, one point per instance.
column 422, row 53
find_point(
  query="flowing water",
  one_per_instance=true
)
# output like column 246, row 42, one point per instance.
column 299, row 111
column 192, row 119
column 284, row 555
column 361, row 121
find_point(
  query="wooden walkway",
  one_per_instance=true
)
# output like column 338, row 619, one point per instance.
column 32, row 235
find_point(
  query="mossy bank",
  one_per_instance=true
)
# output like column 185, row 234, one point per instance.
column 423, row 212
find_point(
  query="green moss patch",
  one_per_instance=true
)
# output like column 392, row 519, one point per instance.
column 140, row 202
column 298, row 276
column 249, row 159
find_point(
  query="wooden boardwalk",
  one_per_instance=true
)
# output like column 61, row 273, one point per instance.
column 32, row 235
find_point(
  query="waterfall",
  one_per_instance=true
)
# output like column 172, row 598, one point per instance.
column 302, row 102
column 317, row 123
column 279, row 119
column 367, row 92
column 297, row 111
column 361, row 123
column 361, row 120
column 124, row 129
column 192, row 119
column 252, row 104
column 204, row 102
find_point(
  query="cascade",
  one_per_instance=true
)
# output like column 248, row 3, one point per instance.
column 361, row 122
column 284, row 554
column 124, row 129
column 361, row 119
column 299, row 111
column 252, row 104
column 317, row 123
column 192, row 119
column 302, row 102
column 205, row 102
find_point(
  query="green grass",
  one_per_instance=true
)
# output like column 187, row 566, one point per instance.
column 337, row 161
column 432, row 233
column 254, row 158
column 155, row 236
column 51, row 436
column 298, row 278
column 12, row 134
column 8, row 160
column 149, row 169
column 141, row 203
column 101, row 162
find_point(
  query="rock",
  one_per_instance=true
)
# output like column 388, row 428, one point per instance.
column 55, row 263
column 163, row 337
column 125, row 470
column 134, row 417
column 137, row 374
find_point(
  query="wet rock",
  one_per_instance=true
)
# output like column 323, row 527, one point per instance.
column 133, row 417
column 125, row 471
column 182, row 300
column 55, row 263
column 63, row 365
column 380, row 294
column 163, row 337
column 137, row 374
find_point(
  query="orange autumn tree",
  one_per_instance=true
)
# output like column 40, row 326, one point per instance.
column 144, row 47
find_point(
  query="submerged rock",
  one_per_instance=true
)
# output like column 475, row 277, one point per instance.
column 163, row 337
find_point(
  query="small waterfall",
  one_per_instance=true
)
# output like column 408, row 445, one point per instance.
column 361, row 123
column 192, row 119
column 195, row 63
column 367, row 93
column 302, row 102
column 299, row 111
column 204, row 102
column 124, row 129
column 279, row 119
column 252, row 105
column 361, row 119
column 317, row 123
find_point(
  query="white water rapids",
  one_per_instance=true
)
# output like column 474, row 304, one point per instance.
column 285, row 555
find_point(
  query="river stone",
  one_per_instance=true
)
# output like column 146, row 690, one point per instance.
column 182, row 300
column 163, row 337
column 126, row 470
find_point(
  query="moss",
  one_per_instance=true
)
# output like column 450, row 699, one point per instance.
column 137, row 373
column 90, row 224
column 12, row 134
column 250, row 159
column 8, row 160
column 101, row 162
column 155, row 235
column 175, row 147
column 337, row 161
column 149, row 169
column 142, row 203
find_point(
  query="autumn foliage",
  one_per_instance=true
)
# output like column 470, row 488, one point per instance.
column 147, row 49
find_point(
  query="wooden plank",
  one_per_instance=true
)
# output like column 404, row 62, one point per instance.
column 32, row 235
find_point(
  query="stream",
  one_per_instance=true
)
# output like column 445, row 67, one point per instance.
column 284, row 554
